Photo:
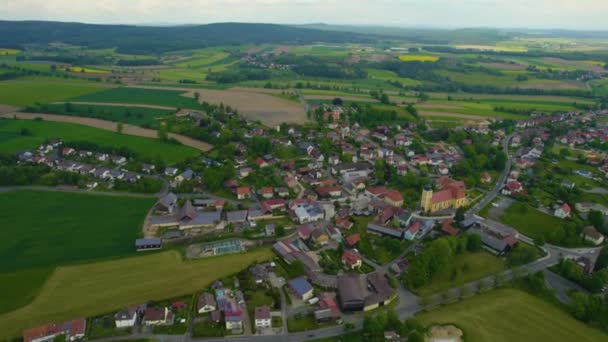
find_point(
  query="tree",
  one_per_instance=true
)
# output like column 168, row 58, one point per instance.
column 337, row 101
column 384, row 99
column 474, row 243
column 119, row 127
column 415, row 336
column 596, row 219
column 412, row 110
column 162, row 132
column 197, row 96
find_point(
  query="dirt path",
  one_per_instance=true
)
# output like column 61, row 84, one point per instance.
column 110, row 126
column 346, row 98
column 113, row 104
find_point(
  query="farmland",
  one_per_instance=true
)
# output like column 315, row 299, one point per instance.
column 418, row 58
column 74, row 230
column 511, row 315
column 111, row 285
column 29, row 91
column 173, row 98
column 138, row 116
column 12, row 139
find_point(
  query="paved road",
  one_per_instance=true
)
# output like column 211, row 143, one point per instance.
column 489, row 197
column 561, row 286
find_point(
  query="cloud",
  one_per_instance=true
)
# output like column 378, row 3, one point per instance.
column 573, row 14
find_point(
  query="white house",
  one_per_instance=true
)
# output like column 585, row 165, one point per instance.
column 262, row 317
column 126, row 318
column 563, row 211
column 592, row 235
column 171, row 171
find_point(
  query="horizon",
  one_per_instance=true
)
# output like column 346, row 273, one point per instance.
column 582, row 15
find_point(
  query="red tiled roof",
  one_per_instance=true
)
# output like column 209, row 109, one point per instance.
column 353, row 239
column 350, row 257
column 243, row 190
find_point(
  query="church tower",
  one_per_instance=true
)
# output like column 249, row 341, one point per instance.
column 426, row 202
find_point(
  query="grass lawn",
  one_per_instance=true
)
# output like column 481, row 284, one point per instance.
column 464, row 268
column 77, row 227
column 28, row 91
column 170, row 98
column 12, row 141
column 530, row 221
column 511, row 315
column 303, row 323
column 111, row 285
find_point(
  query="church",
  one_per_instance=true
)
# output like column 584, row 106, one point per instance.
column 450, row 194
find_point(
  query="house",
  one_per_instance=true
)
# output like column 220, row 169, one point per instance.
column 496, row 237
column 158, row 316
column 171, row 172
column 206, row 303
column 243, row 192
column 233, row 320
column 244, row 172
column 261, row 163
column 592, row 235
column 563, row 211
column 267, row 192
column 148, row 244
column 300, row 288
column 185, row 176
column 306, row 211
column 512, row 188
column 351, row 259
column 126, row 318
column 319, row 237
column 447, row 227
column 262, row 317
column 357, row 292
column 118, row 160
column 148, row 168
column 451, row 195
column 412, row 231
column 282, row 192
column 72, row 330
column 391, row 336
column 269, row 230
column 485, row 178
column 304, row 232
column 344, row 224
column 378, row 229
column 352, row 240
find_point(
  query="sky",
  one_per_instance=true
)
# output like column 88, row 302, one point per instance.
column 566, row 14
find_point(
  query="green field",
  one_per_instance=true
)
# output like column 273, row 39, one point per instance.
column 96, row 288
column 464, row 268
column 48, row 229
column 137, row 116
column 508, row 315
column 12, row 141
column 29, row 91
column 157, row 97
column 530, row 221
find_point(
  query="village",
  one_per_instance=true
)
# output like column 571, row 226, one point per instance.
column 348, row 210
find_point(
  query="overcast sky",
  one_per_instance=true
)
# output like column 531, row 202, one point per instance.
column 569, row 14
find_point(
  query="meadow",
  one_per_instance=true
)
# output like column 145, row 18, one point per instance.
column 23, row 92
column 107, row 286
column 507, row 315
column 49, row 229
column 464, row 268
column 158, row 97
column 529, row 221
column 12, row 140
